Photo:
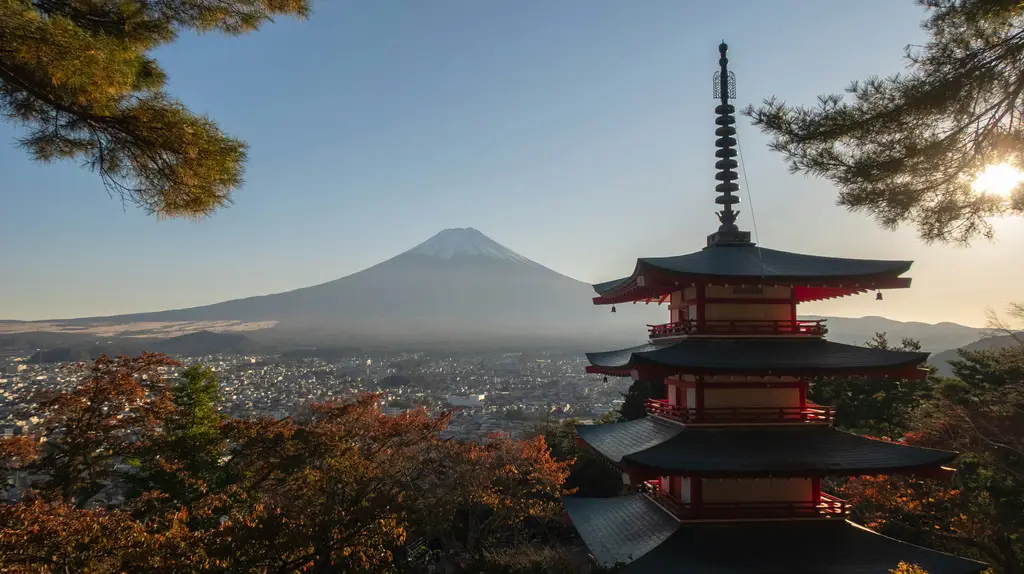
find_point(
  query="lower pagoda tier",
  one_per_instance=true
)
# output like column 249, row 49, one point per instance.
column 649, row 447
column 773, row 357
column 635, row 531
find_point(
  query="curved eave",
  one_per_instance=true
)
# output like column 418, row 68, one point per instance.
column 836, row 547
column 784, row 451
column 700, row 356
column 653, row 288
column 620, row 529
column 615, row 441
column 651, row 447
column 635, row 531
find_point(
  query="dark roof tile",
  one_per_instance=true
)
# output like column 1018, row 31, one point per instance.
column 775, row 450
column 753, row 262
column 771, row 356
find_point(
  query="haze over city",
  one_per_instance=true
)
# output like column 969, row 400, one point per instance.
column 576, row 133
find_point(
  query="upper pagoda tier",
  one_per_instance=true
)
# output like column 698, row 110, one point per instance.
column 637, row 531
column 812, row 277
column 767, row 357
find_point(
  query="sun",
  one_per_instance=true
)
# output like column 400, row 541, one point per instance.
column 998, row 179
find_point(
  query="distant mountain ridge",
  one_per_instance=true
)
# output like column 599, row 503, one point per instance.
column 189, row 345
column 933, row 337
column 458, row 286
column 941, row 360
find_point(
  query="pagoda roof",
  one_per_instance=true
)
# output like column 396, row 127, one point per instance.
column 632, row 530
column 750, row 264
column 657, row 448
column 776, row 357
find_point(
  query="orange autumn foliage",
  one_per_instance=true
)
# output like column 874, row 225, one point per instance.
column 340, row 490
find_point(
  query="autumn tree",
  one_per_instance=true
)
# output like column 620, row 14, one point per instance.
column 909, row 147
column 490, row 496
column 108, row 418
column 874, row 406
column 339, row 490
column 42, row 537
column 16, row 452
column 80, row 77
column 982, row 513
column 907, row 568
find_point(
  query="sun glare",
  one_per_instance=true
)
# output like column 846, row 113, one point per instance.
column 999, row 179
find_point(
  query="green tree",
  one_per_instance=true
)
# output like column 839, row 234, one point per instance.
column 78, row 75
column 184, row 461
column 635, row 399
column 878, row 407
column 589, row 473
column 908, row 148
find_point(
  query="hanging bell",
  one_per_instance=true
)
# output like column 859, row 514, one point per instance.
column 878, row 296
column 613, row 308
column 606, row 378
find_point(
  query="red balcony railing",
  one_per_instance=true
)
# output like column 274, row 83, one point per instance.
column 827, row 507
column 814, row 328
column 811, row 413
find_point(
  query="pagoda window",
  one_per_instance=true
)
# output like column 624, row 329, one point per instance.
column 746, row 397
column 748, row 312
column 757, row 490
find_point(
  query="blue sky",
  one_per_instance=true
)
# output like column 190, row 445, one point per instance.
column 576, row 132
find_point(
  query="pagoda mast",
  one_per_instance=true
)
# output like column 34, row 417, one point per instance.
column 726, row 471
column 725, row 90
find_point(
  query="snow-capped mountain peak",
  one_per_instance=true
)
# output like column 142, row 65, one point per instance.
column 465, row 241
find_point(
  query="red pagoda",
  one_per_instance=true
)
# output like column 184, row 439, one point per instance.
column 727, row 470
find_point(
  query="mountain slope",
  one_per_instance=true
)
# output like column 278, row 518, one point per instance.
column 459, row 282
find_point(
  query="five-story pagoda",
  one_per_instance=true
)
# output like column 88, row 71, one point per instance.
column 728, row 469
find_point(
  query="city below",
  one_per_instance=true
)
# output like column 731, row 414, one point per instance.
column 508, row 393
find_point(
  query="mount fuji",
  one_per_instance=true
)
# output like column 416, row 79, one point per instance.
column 458, row 285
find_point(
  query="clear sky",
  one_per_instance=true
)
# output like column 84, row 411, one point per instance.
column 576, row 132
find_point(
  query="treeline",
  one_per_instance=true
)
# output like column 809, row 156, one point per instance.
column 137, row 473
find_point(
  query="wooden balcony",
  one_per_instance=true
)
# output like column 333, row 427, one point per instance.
column 811, row 413
column 827, row 507
column 752, row 328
